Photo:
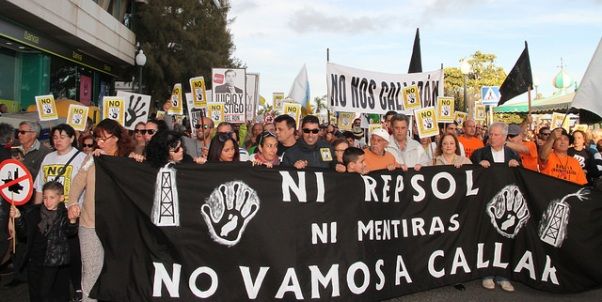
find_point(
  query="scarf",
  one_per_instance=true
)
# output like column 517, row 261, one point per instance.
column 259, row 157
column 48, row 219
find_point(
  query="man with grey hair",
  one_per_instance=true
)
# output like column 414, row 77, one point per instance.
column 408, row 153
column 496, row 151
column 33, row 150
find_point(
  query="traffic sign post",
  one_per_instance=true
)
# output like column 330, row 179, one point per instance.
column 16, row 185
column 490, row 95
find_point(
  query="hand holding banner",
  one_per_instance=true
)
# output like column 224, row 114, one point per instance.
column 46, row 107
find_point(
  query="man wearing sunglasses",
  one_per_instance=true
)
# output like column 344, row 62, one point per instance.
column 309, row 151
column 198, row 145
column 31, row 147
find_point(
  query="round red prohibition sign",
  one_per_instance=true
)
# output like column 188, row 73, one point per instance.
column 16, row 183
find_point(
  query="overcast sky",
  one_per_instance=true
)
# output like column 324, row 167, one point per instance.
column 275, row 38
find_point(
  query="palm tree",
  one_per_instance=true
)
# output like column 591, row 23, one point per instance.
column 321, row 103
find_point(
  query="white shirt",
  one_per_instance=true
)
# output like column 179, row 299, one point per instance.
column 51, row 166
column 498, row 156
column 412, row 155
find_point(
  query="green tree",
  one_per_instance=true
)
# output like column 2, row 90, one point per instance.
column 483, row 72
column 182, row 39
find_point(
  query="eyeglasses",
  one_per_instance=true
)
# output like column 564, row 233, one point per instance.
column 224, row 136
column 314, row 131
column 103, row 139
column 145, row 131
column 22, row 132
column 87, row 145
column 545, row 133
column 198, row 126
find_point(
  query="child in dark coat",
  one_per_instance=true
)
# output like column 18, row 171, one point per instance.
column 47, row 228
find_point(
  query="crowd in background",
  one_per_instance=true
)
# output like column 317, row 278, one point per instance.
column 57, row 246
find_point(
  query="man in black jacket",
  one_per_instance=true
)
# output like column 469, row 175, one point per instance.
column 6, row 136
column 496, row 151
column 309, row 151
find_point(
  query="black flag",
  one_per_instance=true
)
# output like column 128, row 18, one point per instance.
column 416, row 60
column 519, row 79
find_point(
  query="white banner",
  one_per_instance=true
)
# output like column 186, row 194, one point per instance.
column 229, row 89
column 252, row 98
column 356, row 90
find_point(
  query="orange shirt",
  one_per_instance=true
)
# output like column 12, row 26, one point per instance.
column 529, row 160
column 376, row 162
column 564, row 167
column 470, row 144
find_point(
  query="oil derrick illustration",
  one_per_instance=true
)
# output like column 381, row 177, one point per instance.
column 554, row 222
column 166, row 211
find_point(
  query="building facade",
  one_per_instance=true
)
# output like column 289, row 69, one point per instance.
column 74, row 49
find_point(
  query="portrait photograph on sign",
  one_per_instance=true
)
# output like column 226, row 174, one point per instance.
column 198, row 92
column 77, row 117
column 113, row 107
column 46, row 107
column 426, row 122
column 229, row 86
column 411, row 97
column 445, row 109
column 177, row 100
column 137, row 107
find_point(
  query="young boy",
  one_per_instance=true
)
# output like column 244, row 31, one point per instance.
column 353, row 158
column 47, row 227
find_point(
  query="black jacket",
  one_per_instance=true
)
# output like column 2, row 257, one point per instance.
column 55, row 246
column 485, row 154
column 319, row 155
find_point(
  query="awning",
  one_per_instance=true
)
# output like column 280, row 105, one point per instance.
column 558, row 103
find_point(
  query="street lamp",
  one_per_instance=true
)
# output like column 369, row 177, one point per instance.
column 465, row 68
column 140, row 61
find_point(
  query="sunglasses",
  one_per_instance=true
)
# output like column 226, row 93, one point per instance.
column 87, row 145
column 197, row 126
column 224, row 136
column 145, row 131
column 22, row 132
column 265, row 134
column 314, row 131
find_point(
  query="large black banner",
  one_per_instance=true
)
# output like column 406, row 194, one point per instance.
column 232, row 232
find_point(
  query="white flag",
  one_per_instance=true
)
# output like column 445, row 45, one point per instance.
column 589, row 94
column 300, row 88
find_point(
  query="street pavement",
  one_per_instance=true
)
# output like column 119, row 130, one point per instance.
column 473, row 292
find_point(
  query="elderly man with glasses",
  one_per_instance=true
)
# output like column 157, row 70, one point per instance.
column 31, row 147
column 309, row 151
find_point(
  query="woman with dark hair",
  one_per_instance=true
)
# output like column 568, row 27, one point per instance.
column 62, row 165
column 223, row 148
column 448, row 152
column 340, row 145
column 580, row 152
column 112, row 140
column 138, row 138
column 152, row 127
column 86, row 141
column 267, row 149
column 165, row 147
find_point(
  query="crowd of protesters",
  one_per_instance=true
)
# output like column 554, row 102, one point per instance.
column 59, row 254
